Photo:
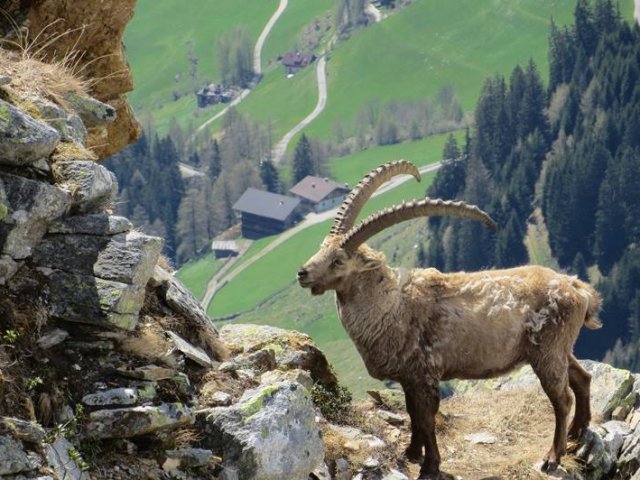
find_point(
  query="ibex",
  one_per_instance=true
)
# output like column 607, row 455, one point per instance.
column 428, row 326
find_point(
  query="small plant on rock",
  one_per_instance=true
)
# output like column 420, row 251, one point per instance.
column 334, row 403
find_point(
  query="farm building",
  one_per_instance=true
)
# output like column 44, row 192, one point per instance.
column 265, row 213
column 212, row 94
column 319, row 194
column 294, row 61
column 224, row 248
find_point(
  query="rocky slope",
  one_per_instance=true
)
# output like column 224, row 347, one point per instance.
column 110, row 369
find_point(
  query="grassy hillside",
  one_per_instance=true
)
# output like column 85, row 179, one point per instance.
column 157, row 40
column 196, row 274
column 430, row 44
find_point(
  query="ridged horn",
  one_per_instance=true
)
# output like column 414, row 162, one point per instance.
column 406, row 211
column 346, row 216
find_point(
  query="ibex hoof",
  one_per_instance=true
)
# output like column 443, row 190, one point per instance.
column 549, row 466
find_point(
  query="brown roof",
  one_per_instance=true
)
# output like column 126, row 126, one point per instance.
column 297, row 59
column 316, row 189
column 266, row 204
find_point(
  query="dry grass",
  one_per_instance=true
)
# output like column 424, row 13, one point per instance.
column 522, row 421
column 150, row 343
column 68, row 152
column 32, row 77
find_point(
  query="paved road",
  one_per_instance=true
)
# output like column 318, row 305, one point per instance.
column 321, row 74
column 636, row 11
column 257, row 68
column 257, row 51
column 310, row 220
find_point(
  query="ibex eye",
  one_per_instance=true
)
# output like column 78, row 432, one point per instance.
column 338, row 262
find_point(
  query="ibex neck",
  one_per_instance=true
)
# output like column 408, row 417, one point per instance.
column 367, row 307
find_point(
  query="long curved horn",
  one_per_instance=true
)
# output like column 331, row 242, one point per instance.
column 406, row 211
column 348, row 212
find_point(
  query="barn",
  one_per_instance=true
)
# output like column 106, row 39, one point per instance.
column 319, row 194
column 264, row 213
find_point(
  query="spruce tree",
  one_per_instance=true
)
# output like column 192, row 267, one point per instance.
column 269, row 176
column 302, row 160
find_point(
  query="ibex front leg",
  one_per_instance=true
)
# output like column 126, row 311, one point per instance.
column 414, row 450
column 427, row 401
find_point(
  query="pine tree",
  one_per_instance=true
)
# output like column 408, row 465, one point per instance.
column 215, row 161
column 510, row 249
column 269, row 176
column 579, row 267
column 302, row 161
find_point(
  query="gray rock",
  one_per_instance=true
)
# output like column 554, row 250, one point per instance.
column 23, row 140
column 182, row 301
column 86, row 299
column 22, row 429
column 609, row 386
column 126, row 258
column 61, row 461
column 13, row 458
column 355, row 439
column 70, row 127
column 4, row 80
column 292, row 349
column 321, row 473
column 483, row 438
column 136, row 421
column 221, row 399
column 120, row 396
column 390, row 417
column 193, row 353
column 190, row 457
column 26, row 209
column 270, row 434
column 371, row 463
column 92, row 187
column 394, row 475
column 8, row 268
column 595, row 453
column 92, row 224
column 150, row 372
column 92, row 111
column 296, row 375
column 52, row 338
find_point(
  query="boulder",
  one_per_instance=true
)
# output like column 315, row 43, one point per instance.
column 126, row 258
column 193, row 353
column 8, row 268
column 92, row 111
column 86, row 299
column 23, row 140
column 69, row 126
column 181, row 300
column 121, row 396
column 26, row 209
column 92, row 224
column 23, row 430
column 92, row 187
column 609, row 386
column 136, row 421
column 13, row 459
column 270, row 434
column 292, row 349
column 189, row 457
column 62, row 461
column 52, row 338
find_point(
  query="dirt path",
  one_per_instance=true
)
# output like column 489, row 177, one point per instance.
column 311, row 219
column 257, row 51
column 212, row 285
column 257, row 68
column 321, row 74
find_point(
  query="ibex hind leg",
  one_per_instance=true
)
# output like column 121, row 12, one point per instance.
column 554, row 378
column 580, row 383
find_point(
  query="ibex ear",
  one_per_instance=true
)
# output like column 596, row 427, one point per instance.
column 370, row 263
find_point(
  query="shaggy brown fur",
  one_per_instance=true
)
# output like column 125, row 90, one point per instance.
column 430, row 326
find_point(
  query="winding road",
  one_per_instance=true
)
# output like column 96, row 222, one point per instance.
column 219, row 280
column 257, row 68
column 321, row 75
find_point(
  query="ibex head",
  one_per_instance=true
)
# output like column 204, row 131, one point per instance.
column 343, row 253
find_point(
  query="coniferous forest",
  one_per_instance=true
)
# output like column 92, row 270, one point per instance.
column 566, row 156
